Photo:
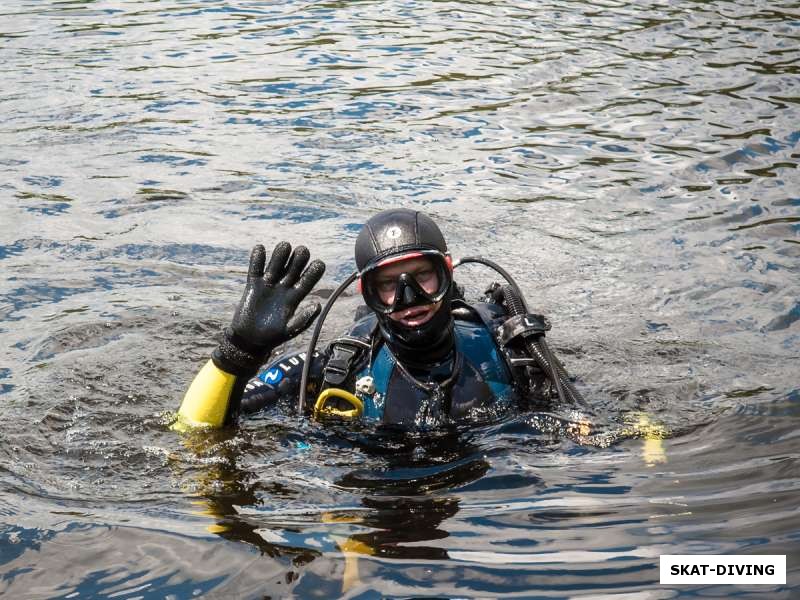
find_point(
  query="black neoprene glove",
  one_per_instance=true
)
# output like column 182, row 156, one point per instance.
column 265, row 316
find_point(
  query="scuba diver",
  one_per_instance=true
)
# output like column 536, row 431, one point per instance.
column 421, row 356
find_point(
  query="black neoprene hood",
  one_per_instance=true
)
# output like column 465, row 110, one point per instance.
column 396, row 231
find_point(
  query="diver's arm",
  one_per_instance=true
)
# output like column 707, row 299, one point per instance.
column 212, row 398
column 263, row 320
column 279, row 383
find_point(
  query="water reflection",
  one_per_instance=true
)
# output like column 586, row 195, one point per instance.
column 386, row 525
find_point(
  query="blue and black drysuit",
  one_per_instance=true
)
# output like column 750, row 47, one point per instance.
column 477, row 381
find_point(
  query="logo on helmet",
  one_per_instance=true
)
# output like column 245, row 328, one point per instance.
column 394, row 232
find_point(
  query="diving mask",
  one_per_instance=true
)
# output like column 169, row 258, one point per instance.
column 389, row 285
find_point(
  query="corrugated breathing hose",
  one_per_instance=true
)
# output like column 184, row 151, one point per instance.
column 540, row 351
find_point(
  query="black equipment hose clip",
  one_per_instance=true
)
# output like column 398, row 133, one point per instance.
column 522, row 325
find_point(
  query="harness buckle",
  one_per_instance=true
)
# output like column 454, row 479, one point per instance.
column 516, row 326
column 344, row 353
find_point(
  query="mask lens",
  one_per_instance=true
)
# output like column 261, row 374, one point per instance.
column 387, row 288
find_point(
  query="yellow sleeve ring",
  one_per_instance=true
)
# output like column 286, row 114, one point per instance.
column 321, row 410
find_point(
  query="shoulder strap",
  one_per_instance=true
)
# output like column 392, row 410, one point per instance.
column 345, row 352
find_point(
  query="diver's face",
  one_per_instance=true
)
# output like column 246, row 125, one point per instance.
column 420, row 269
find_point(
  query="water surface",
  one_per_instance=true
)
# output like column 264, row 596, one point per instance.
column 634, row 165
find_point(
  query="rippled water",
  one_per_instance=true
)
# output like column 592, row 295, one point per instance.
column 634, row 165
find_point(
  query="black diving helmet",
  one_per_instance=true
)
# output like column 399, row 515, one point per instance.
column 426, row 282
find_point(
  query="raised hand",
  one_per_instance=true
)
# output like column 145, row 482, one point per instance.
column 265, row 317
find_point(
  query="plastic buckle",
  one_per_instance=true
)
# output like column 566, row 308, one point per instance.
column 518, row 325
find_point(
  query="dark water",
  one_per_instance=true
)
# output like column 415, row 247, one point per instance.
column 634, row 165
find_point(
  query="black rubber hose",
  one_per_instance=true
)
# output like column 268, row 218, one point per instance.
column 312, row 343
column 540, row 351
column 503, row 273
column 535, row 345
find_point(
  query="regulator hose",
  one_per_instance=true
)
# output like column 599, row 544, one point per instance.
column 540, row 351
column 312, row 343
column 515, row 302
column 498, row 269
column 535, row 344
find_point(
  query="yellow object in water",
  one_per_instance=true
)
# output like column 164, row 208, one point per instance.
column 653, row 435
column 351, row 548
column 206, row 401
column 321, row 410
column 206, row 509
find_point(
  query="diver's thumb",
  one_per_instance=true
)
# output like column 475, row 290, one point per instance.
column 303, row 320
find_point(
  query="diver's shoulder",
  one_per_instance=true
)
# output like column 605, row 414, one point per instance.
column 364, row 324
column 487, row 313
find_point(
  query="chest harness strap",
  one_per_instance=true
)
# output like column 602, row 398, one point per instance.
column 345, row 353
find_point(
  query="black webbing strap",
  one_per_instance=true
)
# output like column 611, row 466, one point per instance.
column 344, row 352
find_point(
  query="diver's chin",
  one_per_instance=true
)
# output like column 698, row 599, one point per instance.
column 416, row 316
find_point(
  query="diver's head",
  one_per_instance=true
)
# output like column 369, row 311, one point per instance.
column 409, row 289
column 406, row 278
